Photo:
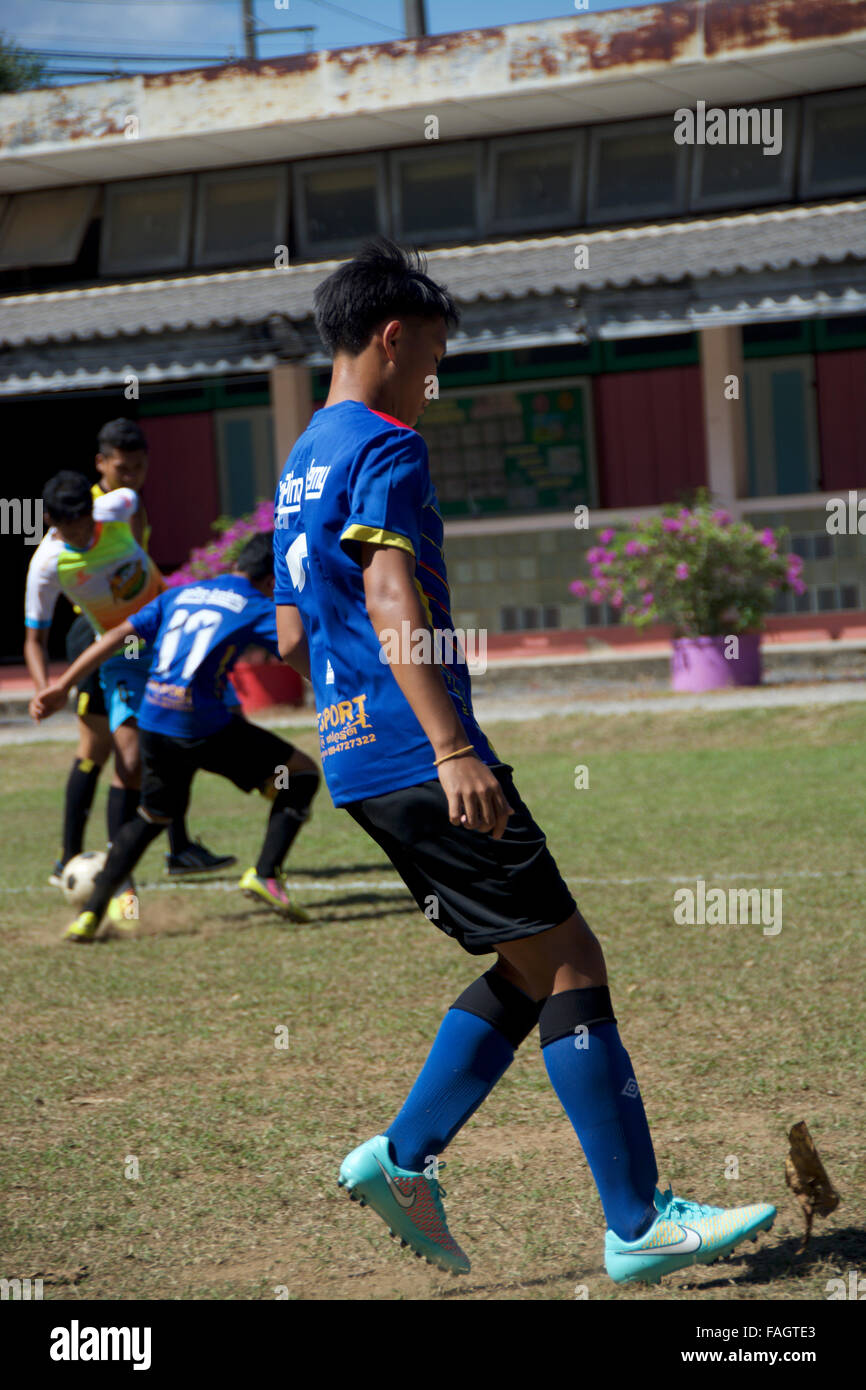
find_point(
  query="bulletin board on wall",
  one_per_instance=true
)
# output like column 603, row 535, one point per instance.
column 512, row 449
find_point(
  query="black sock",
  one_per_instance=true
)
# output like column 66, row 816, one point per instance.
column 130, row 842
column 290, row 809
column 122, row 806
column 80, row 788
column 178, row 839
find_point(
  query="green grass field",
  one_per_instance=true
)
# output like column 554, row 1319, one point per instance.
column 158, row 1055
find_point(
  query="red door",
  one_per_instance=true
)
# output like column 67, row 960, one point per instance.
column 181, row 493
column 649, row 435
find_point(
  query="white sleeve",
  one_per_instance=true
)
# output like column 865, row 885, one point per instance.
column 43, row 588
column 118, row 505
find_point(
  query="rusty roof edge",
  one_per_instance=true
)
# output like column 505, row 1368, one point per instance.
column 514, row 58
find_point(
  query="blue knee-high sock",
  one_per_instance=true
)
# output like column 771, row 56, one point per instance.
column 588, row 1079
column 467, row 1059
column 644, row 1170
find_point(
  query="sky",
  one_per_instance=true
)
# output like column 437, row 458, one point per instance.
column 196, row 29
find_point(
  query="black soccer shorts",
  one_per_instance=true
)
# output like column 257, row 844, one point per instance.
column 91, row 699
column 479, row 890
column 246, row 754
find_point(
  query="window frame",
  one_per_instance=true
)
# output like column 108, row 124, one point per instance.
column 87, row 193
column 242, row 174
column 120, row 266
column 577, row 137
column 809, row 186
column 788, row 160
column 596, row 216
column 440, row 151
column 334, row 246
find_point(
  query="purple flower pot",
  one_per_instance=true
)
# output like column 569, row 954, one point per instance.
column 700, row 663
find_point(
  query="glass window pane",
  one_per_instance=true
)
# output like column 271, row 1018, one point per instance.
column 822, row 547
column 533, row 182
column 146, row 225
column 837, row 146
column 827, row 599
column 742, row 173
column 636, row 171
column 238, row 217
column 45, row 228
column 437, row 195
column 341, row 204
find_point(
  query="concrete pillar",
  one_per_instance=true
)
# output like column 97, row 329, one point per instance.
column 721, row 352
column 292, row 407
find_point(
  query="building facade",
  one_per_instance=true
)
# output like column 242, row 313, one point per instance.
column 654, row 222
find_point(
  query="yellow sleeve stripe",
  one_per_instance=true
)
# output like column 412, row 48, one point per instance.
column 374, row 537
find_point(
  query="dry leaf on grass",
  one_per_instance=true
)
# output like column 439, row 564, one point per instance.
column 807, row 1178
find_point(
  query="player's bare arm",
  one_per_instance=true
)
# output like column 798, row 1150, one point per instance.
column 53, row 697
column 475, row 798
column 36, row 655
column 292, row 639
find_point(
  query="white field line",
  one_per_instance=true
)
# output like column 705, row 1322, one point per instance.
column 395, row 885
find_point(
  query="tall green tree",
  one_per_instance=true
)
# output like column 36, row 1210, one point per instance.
column 18, row 69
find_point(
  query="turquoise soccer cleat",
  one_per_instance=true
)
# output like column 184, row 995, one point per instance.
column 683, row 1233
column 409, row 1203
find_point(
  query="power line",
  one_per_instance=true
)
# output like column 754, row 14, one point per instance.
column 127, row 57
column 352, row 14
column 127, row 4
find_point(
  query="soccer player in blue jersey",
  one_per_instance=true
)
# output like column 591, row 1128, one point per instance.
column 197, row 634
column 358, row 561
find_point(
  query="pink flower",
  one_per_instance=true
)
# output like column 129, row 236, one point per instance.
column 647, row 600
column 596, row 596
column 682, row 571
column 798, row 586
column 608, row 557
column 616, row 599
column 722, row 518
column 670, row 523
column 795, row 564
column 607, row 536
column 634, row 548
column 768, row 539
column 683, row 512
column 578, row 587
column 593, row 556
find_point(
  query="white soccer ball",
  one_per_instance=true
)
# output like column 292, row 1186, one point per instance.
column 79, row 874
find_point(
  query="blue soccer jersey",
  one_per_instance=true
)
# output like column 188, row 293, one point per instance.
column 198, row 633
column 355, row 475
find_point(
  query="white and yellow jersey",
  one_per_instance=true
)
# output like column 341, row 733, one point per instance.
column 109, row 581
column 146, row 529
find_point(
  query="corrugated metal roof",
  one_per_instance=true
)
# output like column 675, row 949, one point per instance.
column 631, row 256
column 536, row 321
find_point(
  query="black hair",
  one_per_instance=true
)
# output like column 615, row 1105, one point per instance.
column 256, row 559
column 67, row 496
column 121, row 437
column 384, row 281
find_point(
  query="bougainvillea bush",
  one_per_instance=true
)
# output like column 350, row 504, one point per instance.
column 694, row 568
column 219, row 555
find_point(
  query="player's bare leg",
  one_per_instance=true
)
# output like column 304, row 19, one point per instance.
column 568, row 956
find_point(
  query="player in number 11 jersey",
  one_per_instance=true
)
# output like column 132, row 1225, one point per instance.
column 198, row 632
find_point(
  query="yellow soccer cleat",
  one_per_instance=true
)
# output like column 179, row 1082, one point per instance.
column 84, row 928
column 123, row 910
column 273, row 892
